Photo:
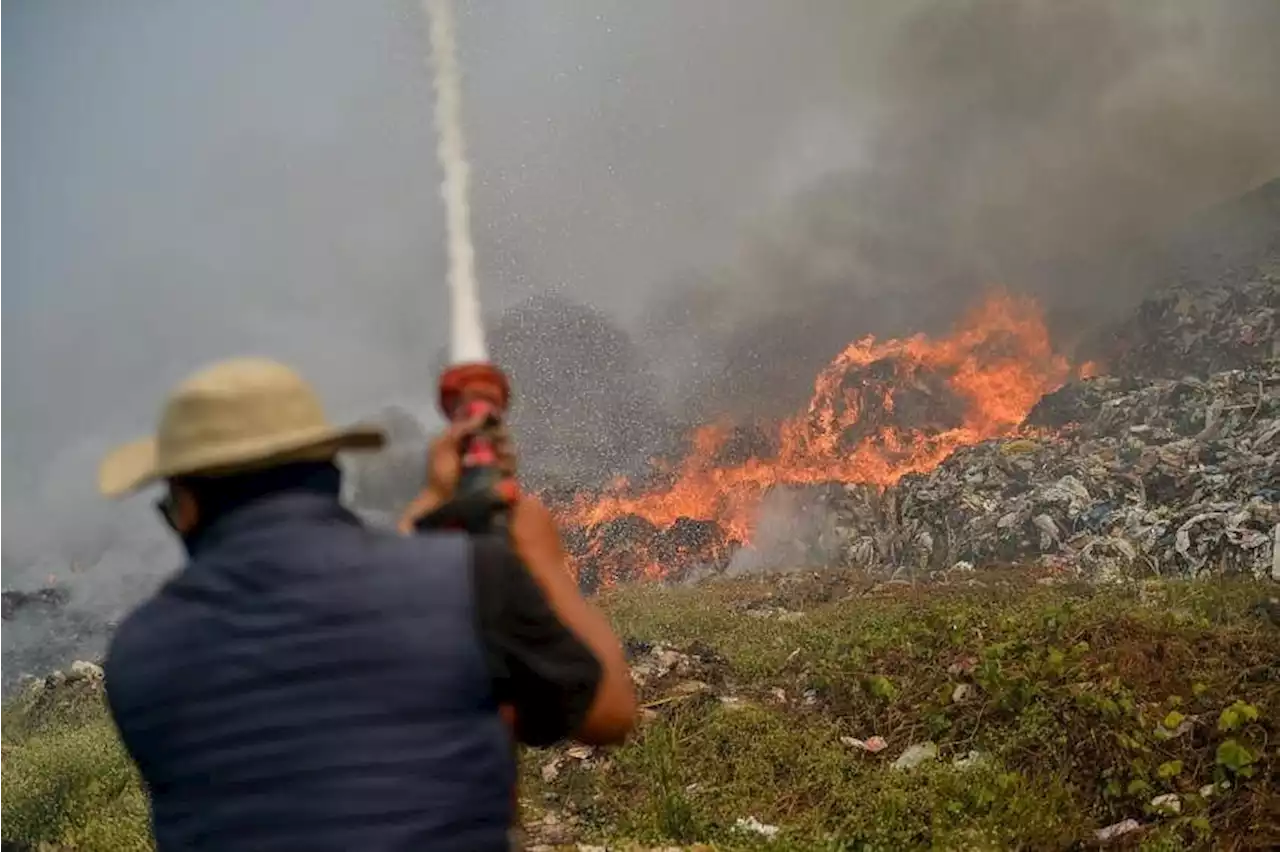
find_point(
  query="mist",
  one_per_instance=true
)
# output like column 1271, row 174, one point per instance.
column 734, row 188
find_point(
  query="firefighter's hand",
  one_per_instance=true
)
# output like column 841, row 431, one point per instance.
column 444, row 468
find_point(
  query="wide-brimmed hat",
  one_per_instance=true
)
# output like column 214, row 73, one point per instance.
column 232, row 417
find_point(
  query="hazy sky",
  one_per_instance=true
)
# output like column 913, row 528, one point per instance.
column 186, row 180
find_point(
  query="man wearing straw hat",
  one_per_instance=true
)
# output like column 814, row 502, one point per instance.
column 305, row 683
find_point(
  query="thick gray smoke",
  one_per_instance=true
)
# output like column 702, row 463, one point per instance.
column 1049, row 148
column 738, row 186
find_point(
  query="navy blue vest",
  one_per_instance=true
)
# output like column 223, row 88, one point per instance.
column 309, row 684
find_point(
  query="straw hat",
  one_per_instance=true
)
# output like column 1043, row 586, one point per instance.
column 235, row 416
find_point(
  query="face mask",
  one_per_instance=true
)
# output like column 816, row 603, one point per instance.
column 167, row 507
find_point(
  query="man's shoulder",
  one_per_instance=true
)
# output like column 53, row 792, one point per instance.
column 140, row 626
column 391, row 572
column 143, row 641
column 443, row 549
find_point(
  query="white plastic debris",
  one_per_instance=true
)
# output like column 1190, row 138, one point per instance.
column 691, row 687
column 972, row 760
column 962, row 693
column 872, row 745
column 916, row 755
column 1119, row 829
column 1169, row 803
column 581, row 752
column 81, row 670
column 756, row 826
column 1214, row 789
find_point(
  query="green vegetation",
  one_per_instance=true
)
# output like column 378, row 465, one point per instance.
column 1069, row 708
column 1056, row 710
column 67, row 781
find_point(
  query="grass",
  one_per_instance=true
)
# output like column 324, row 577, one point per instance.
column 67, row 781
column 1082, row 705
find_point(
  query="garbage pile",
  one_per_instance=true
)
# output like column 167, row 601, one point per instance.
column 632, row 548
column 47, row 598
column 1190, row 330
column 1109, row 475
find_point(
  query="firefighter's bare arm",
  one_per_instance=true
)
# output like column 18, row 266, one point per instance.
column 536, row 538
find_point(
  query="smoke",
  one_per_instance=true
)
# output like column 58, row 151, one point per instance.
column 734, row 188
column 1046, row 147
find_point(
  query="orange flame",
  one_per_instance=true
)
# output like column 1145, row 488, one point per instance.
column 996, row 365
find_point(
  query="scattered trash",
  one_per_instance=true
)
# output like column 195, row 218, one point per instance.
column 551, row 831
column 1119, row 829
column 82, row 670
column 916, row 755
column 783, row 615
column 1169, row 804
column 581, row 752
column 963, row 692
column 652, row 662
column 754, row 825
column 972, row 760
column 873, row 745
column 962, row 666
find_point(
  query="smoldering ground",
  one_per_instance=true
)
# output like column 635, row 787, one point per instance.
column 732, row 190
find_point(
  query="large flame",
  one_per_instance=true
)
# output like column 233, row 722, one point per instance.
column 995, row 365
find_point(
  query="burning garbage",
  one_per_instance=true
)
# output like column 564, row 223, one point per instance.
column 984, row 446
column 987, row 447
column 880, row 411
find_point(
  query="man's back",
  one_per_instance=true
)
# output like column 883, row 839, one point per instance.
column 307, row 684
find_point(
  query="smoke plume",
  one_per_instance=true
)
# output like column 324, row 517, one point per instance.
column 1049, row 148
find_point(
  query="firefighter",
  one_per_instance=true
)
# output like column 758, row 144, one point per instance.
column 307, row 683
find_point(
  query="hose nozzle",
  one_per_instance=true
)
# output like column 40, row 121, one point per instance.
column 486, row 492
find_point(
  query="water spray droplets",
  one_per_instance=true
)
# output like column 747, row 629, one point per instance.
column 468, row 333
